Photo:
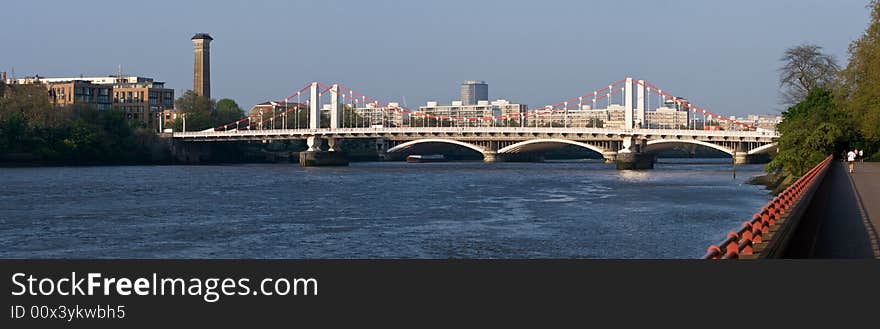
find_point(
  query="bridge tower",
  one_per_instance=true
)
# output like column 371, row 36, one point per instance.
column 314, row 107
column 630, row 156
column 640, row 104
column 314, row 142
column 335, row 116
column 334, row 107
column 628, row 103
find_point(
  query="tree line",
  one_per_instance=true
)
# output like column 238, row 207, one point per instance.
column 831, row 109
column 33, row 130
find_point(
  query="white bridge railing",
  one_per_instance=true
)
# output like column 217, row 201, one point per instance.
column 354, row 132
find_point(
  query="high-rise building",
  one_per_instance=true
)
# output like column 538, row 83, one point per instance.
column 202, row 64
column 474, row 91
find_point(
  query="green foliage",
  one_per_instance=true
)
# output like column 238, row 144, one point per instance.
column 859, row 91
column 227, row 111
column 198, row 110
column 823, row 124
column 810, row 131
column 202, row 113
column 32, row 129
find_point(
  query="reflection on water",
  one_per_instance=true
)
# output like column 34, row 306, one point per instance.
column 374, row 210
column 634, row 175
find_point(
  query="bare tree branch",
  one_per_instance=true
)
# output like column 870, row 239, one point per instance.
column 804, row 68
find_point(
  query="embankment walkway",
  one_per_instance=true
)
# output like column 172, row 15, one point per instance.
column 849, row 221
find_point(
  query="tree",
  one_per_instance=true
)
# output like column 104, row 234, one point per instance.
column 29, row 102
column 810, row 131
column 227, row 111
column 805, row 68
column 859, row 93
column 198, row 110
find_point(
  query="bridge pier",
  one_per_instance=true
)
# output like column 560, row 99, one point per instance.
column 314, row 143
column 492, row 156
column 322, row 159
column 382, row 149
column 609, row 156
column 634, row 161
column 740, row 158
column 745, row 158
column 315, row 157
column 632, row 156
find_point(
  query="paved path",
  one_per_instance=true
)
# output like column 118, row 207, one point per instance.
column 852, row 216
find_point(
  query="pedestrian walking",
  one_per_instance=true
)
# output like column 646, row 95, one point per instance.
column 851, row 159
column 861, row 155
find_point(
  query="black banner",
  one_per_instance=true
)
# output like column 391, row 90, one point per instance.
column 333, row 293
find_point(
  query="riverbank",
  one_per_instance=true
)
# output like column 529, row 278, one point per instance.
column 775, row 182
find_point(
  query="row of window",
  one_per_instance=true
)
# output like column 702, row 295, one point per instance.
column 101, row 96
column 133, row 109
column 136, row 97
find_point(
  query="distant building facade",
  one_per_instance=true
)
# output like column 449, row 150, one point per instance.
column 762, row 121
column 167, row 119
column 474, row 91
column 479, row 114
column 143, row 99
column 79, row 92
column 666, row 118
column 140, row 98
column 373, row 115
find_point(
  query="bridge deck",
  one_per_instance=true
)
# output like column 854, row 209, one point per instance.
column 851, row 218
column 482, row 132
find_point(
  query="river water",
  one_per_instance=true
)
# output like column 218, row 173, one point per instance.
column 374, row 210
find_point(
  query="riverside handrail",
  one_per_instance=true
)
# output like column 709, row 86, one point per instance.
column 767, row 234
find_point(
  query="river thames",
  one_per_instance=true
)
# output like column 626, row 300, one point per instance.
column 578, row 209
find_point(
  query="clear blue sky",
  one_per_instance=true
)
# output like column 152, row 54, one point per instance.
column 721, row 55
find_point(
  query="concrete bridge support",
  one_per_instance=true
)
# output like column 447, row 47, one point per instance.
column 382, row 149
column 609, row 156
column 745, row 158
column 632, row 157
column 315, row 157
column 634, row 161
column 740, row 158
column 322, row 159
column 314, row 143
column 492, row 156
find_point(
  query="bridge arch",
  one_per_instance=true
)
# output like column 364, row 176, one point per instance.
column 657, row 145
column 762, row 149
column 406, row 145
column 534, row 144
